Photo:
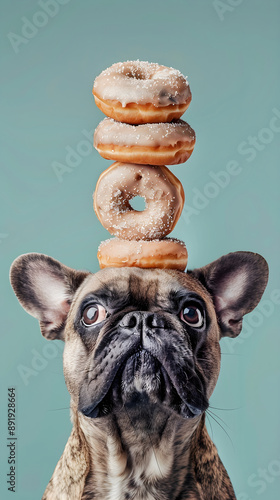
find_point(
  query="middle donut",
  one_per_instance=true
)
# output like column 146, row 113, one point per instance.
column 162, row 191
column 149, row 143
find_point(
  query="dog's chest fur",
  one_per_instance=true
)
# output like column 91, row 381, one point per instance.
column 139, row 483
column 148, row 471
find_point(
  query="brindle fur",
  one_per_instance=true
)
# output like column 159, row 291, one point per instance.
column 146, row 450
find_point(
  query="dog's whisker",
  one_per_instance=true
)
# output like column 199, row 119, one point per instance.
column 217, row 422
column 217, row 416
column 225, row 409
column 230, row 354
column 210, row 424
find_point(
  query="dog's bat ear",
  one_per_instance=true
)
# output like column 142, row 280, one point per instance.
column 45, row 289
column 236, row 282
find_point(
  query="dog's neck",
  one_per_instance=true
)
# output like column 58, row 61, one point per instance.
column 130, row 455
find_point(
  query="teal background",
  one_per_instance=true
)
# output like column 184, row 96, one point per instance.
column 233, row 69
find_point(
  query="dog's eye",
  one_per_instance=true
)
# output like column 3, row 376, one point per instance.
column 192, row 315
column 93, row 314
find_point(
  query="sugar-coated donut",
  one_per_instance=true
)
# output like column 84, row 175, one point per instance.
column 165, row 254
column 150, row 143
column 141, row 92
column 162, row 191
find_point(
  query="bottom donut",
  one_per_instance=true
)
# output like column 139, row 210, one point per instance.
column 165, row 254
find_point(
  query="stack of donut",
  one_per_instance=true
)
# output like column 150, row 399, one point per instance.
column 142, row 133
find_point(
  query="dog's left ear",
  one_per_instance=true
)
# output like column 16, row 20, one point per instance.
column 45, row 288
column 236, row 282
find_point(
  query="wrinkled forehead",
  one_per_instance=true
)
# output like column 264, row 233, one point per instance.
column 140, row 287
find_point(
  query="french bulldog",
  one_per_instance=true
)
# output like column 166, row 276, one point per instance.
column 141, row 360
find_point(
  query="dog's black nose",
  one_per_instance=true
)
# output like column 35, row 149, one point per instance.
column 141, row 320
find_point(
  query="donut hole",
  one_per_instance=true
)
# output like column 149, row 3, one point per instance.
column 138, row 203
column 136, row 74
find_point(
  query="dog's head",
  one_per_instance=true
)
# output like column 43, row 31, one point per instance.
column 137, row 337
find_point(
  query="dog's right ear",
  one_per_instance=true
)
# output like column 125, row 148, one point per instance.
column 45, row 288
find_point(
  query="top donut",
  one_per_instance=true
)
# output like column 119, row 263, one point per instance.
column 138, row 92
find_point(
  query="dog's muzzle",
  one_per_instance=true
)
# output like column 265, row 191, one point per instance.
column 142, row 360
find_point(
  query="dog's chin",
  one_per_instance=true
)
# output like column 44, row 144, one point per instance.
column 142, row 386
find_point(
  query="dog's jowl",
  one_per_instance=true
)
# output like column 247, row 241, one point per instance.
column 141, row 360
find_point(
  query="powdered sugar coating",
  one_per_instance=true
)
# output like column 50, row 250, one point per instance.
column 142, row 82
column 153, row 135
column 162, row 191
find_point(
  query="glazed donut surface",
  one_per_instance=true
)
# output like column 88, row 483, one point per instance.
column 150, row 143
column 162, row 191
column 165, row 254
column 141, row 92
